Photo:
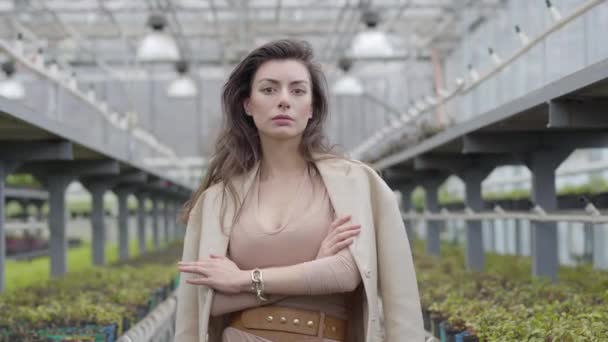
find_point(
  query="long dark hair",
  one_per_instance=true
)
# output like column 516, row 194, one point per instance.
column 238, row 148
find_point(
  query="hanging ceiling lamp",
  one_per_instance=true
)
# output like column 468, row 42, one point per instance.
column 371, row 42
column 11, row 88
column 157, row 46
column 347, row 84
column 183, row 86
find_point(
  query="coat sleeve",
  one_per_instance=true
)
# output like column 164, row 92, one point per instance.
column 186, row 324
column 396, row 274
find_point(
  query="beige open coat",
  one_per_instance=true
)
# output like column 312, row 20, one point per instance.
column 385, row 308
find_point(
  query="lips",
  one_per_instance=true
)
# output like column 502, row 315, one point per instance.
column 282, row 117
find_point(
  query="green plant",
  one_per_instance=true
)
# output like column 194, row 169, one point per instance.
column 505, row 303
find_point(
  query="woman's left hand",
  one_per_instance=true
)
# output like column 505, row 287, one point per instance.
column 217, row 272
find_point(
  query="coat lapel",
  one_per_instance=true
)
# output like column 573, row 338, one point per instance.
column 215, row 238
column 348, row 197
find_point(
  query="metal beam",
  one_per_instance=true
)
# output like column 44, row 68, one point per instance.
column 518, row 142
column 591, row 114
column 136, row 177
column 73, row 168
column 36, row 150
column 460, row 163
column 583, row 78
column 452, row 164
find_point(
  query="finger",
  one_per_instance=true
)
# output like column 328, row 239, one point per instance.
column 190, row 263
column 341, row 245
column 339, row 228
column 333, row 238
column 347, row 227
column 343, row 236
column 186, row 263
column 193, row 269
column 340, row 221
column 200, row 281
column 347, row 234
column 200, row 263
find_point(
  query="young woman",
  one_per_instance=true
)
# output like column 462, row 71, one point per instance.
column 285, row 240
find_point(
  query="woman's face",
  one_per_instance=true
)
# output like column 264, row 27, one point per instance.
column 281, row 99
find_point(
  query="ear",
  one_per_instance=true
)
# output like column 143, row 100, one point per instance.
column 246, row 106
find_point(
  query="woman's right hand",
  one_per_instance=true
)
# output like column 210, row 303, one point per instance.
column 340, row 235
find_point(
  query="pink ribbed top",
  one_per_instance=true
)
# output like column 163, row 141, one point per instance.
column 295, row 242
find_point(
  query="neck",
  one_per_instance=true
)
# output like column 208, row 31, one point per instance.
column 281, row 157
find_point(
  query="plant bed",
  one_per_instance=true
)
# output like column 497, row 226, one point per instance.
column 465, row 336
column 95, row 305
column 505, row 303
column 447, row 332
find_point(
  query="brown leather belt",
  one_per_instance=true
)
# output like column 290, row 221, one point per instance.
column 289, row 325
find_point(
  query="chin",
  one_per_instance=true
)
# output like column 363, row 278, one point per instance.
column 283, row 134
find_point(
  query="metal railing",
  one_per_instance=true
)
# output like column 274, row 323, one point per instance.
column 582, row 234
column 592, row 215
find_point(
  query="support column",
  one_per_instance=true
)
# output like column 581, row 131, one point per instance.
column 406, row 203
column 97, row 190
column 123, row 222
column 475, row 256
column 179, row 226
column 545, row 259
column 172, row 220
column 58, row 243
column 155, row 223
column 166, row 209
column 13, row 155
column 433, row 242
column 141, row 222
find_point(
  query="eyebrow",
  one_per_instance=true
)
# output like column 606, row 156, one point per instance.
column 277, row 82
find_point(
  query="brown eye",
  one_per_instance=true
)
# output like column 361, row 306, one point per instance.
column 299, row 91
column 267, row 90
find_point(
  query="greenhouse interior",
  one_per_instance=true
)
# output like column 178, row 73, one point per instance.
column 478, row 118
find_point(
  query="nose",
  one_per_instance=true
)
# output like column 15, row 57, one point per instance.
column 284, row 100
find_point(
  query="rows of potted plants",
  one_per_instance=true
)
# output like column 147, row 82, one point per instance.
column 505, row 303
column 95, row 305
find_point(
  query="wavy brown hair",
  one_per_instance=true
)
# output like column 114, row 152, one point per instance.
column 238, row 148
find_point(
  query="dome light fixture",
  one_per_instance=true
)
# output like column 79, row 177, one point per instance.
column 157, row 46
column 11, row 88
column 183, row 86
column 371, row 43
column 347, row 84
